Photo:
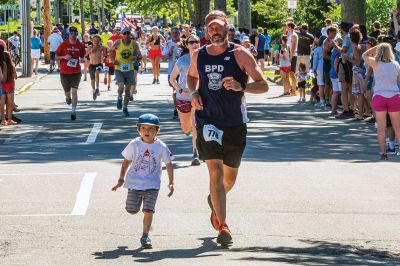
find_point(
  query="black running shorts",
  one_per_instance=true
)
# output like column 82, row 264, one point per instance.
column 231, row 150
column 69, row 81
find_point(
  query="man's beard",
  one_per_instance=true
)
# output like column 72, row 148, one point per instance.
column 218, row 40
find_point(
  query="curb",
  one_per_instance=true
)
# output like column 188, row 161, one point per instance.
column 29, row 85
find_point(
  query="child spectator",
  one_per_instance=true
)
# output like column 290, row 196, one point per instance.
column 285, row 65
column 333, row 73
column 318, row 69
column 277, row 47
column 302, row 77
column 144, row 155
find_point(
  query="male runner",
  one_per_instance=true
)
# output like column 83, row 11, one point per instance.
column 69, row 52
column 123, row 60
column 217, row 79
column 96, row 55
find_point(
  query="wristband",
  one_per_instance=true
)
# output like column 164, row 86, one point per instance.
column 193, row 93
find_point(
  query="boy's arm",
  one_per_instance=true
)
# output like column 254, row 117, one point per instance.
column 170, row 171
column 121, row 179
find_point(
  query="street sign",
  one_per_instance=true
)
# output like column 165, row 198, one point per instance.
column 9, row 7
column 292, row 4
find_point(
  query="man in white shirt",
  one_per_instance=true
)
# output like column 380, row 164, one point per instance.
column 54, row 40
column 14, row 40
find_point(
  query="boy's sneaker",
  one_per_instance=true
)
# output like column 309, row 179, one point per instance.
column 94, row 95
column 145, row 241
column 73, row 116
column 68, row 100
column 195, row 161
column 213, row 218
column 125, row 111
column 119, row 103
column 224, row 235
column 390, row 151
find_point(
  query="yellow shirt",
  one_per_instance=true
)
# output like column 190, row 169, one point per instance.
column 124, row 56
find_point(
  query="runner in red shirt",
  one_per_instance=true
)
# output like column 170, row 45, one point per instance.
column 70, row 53
column 117, row 35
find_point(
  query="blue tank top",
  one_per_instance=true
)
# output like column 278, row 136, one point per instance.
column 261, row 42
column 223, row 108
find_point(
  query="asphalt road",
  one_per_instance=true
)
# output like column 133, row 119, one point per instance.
column 310, row 190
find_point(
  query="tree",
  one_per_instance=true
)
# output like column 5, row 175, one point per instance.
column 91, row 11
column 378, row 10
column 244, row 11
column 220, row 5
column 82, row 17
column 354, row 11
column 202, row 8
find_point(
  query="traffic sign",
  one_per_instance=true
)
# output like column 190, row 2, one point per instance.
column 9, row 7
column 292, row 4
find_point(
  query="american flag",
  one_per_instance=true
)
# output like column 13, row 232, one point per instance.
column 126, row 23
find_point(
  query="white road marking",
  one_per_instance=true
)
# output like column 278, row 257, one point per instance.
column 35, row 174
column 93, row 135
column 34, row 215
column 24, row 135
column 83, row 196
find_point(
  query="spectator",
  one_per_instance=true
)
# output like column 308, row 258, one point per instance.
column 93, row 31
column 260, row 46
column 54, row 40
column 267, row 45
column 318, row 69
column 328, row 23
column 284, row 65
column 35, row 50
column 306, row 41
column 377, row 30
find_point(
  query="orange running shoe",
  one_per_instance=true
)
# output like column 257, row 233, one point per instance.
column 213, row 218
column 224, row 235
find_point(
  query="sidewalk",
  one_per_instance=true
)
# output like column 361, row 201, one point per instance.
column 23, row 84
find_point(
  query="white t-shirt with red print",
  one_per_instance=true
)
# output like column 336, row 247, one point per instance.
column 146, row 167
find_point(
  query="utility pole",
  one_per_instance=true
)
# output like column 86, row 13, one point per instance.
column 244, row 11
column 38, row 11
column 91, row 12
column 56, row 11
column 47, row 29
column 26, row 38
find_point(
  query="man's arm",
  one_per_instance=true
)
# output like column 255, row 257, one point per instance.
column 112, row 49
column 248, row 64
column 192, row 82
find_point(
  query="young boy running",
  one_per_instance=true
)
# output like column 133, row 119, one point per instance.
column 96, row 55
column 144, row 155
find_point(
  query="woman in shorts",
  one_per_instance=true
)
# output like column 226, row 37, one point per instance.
column 8, row 87
column 285, row 65
column 35, row 50
column 155, row 41
column 386, row 97
column 143, row 51
column 183, row 98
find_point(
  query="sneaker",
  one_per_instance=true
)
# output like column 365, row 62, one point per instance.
column 68, row 100
column 94, row 95
column 119, row 103
column 131, row 98
column 158, row 81
column 224, row 235
column 343, row 115
column 390, row 151
column 73, row 116
column 145, row 241
column 154, row 81
column 384, row 157
column 213, row 218
column 195, row 161
column 98, row 92
column 125, row 111
column 108, row 88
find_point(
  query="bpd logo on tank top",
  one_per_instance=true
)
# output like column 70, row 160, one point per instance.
column 214, row 79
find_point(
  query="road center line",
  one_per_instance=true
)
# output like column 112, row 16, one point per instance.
column 93, row 135
column 83, row 196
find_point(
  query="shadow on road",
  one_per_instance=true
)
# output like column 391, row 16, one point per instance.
column 277, row 132
column 321, row 253
column 207, row 245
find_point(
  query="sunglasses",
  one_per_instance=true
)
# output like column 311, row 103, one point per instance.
column 193, row 42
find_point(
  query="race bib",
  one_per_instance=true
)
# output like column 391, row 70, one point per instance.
column 72, row 62
column 211, row 133
column 125, row 67
column 106, row 68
